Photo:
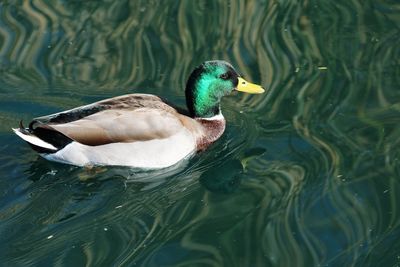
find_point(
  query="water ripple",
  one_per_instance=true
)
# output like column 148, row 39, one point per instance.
column 305, row 176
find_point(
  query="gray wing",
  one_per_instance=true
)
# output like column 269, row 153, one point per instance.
column 128, row 118
column 130, row 101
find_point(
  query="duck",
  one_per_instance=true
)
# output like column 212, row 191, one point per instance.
column 140, row 130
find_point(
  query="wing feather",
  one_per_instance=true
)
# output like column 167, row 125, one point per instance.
column 112, row 126
column 128, row 118
column 130, row 101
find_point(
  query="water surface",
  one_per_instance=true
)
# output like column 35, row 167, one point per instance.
column 307, row 175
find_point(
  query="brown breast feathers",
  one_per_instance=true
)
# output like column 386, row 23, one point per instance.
column 213, row 129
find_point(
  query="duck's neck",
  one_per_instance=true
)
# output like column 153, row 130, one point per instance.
column 217, row 117
column 200, row 109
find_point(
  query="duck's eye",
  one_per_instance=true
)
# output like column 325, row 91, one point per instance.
column 224, row 76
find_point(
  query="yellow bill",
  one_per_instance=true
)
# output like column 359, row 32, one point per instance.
column 251, row 88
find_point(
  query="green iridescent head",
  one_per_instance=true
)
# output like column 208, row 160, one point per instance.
column 209, row 82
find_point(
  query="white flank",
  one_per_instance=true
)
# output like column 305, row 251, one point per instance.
column 151, row 154
column 34, row 140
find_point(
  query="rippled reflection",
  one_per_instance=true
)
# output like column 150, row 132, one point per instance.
column 305, row 176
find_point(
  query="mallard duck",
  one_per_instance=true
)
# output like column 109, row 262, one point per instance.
column 139, row 130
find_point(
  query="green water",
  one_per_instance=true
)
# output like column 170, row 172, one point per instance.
column 306, row 175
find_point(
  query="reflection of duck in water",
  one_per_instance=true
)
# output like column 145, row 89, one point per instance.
column 226, row 176
column 139, row 130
